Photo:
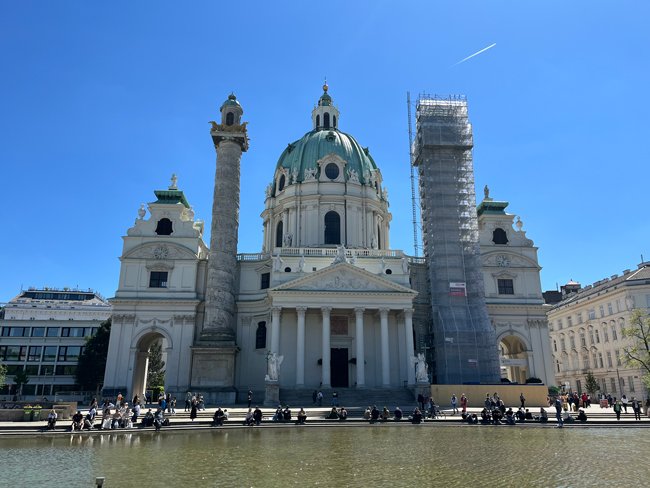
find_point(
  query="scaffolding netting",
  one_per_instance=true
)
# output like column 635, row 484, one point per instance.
column 463, row 337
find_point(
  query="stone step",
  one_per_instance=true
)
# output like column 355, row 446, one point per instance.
column 351, row 397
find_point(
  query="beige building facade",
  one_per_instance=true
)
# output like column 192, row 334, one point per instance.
column 586, row 332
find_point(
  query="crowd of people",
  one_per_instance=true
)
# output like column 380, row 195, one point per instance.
column 124, row 415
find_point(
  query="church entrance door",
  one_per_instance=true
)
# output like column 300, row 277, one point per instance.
column 339, row 367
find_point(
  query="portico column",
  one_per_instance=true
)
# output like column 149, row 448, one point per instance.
column 408, row 333
column 275, row 329
column 325, row 372
column 361, row 363
column 385, row 360
column 300, row 347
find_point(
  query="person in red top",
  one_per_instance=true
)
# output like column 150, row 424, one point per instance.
column 584, row 400
column 463, row 403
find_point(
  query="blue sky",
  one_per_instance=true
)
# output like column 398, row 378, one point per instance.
column 101, row 103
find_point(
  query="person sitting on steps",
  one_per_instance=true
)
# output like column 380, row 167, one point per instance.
column 397, row 414
column 77, row 421
column 302, row 417
column 51, row 419
column 218, row 417
column 333, row 415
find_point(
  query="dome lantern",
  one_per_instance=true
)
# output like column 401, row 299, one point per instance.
column 231, row 111
column 325, row 115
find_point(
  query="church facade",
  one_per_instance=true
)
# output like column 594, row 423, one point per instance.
column 326, row 303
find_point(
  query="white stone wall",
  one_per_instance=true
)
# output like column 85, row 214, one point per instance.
column 521, row 315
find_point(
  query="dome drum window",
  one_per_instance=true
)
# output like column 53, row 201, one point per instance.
column 332, row 171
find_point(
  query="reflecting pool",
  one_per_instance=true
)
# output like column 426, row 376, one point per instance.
column 363, row 455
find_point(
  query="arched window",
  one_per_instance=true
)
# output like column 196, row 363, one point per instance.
column 378, row 237
column 334, row 121
column 164, row 227
column 317, row 121
column 332, row 228
column 279, row 234
column 499, row 236
column 281, row 183
column 326, row 120
column 230, row 118
column 260, row 336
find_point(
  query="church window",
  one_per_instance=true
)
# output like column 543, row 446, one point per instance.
column 318, row 121
column 158, row 279
column 281, row 183
column 164, row 227
column 378, row 237
column 389, row 271
column 326, row 120
column 499, row 236
column 332, row 171
column 260, row 336
column 265, row 281
column 278, row 234
column 287, row 270
column 334, row 121
column 506, row 287
column 332, row 228
column 230, row 118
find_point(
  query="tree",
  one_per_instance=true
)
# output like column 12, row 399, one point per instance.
column 637, row 353
column 591, row 385
column 156, row 369
column 20, row 378
column 92, row 362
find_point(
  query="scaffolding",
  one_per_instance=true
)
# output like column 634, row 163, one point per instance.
column 463, row 337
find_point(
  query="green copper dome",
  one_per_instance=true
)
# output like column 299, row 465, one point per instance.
column 304, row 153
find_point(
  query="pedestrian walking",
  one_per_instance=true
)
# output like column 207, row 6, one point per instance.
column 454, row 402
column 558, row 412
column 522, row 400
column 250, row 398
column 188, row 401
column 617, row 409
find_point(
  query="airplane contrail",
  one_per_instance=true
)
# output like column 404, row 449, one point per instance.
column 476, row 53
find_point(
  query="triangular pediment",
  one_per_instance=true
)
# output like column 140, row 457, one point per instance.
column 343, row 277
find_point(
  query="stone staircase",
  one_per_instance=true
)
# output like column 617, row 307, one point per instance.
column 352, row 397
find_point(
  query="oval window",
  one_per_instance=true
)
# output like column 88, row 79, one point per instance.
column 332, row 171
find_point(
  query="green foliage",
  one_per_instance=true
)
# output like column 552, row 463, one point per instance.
column 554, row 390
column 156, row 369
column 591, row 385
column 92, row 362
column 20, row 378
column 637, row 353
column 3, row 375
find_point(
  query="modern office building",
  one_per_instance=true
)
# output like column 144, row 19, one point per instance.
column 43, row 332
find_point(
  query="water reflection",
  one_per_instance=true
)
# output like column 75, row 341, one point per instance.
column 395, row 455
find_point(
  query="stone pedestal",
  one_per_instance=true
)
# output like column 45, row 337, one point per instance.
column 422, row 388
column 213, row 374
column 272, row 394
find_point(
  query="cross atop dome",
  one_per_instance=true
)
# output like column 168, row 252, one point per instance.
column 325, row 115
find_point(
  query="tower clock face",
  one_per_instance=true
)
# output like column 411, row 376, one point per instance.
column 503, row 261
